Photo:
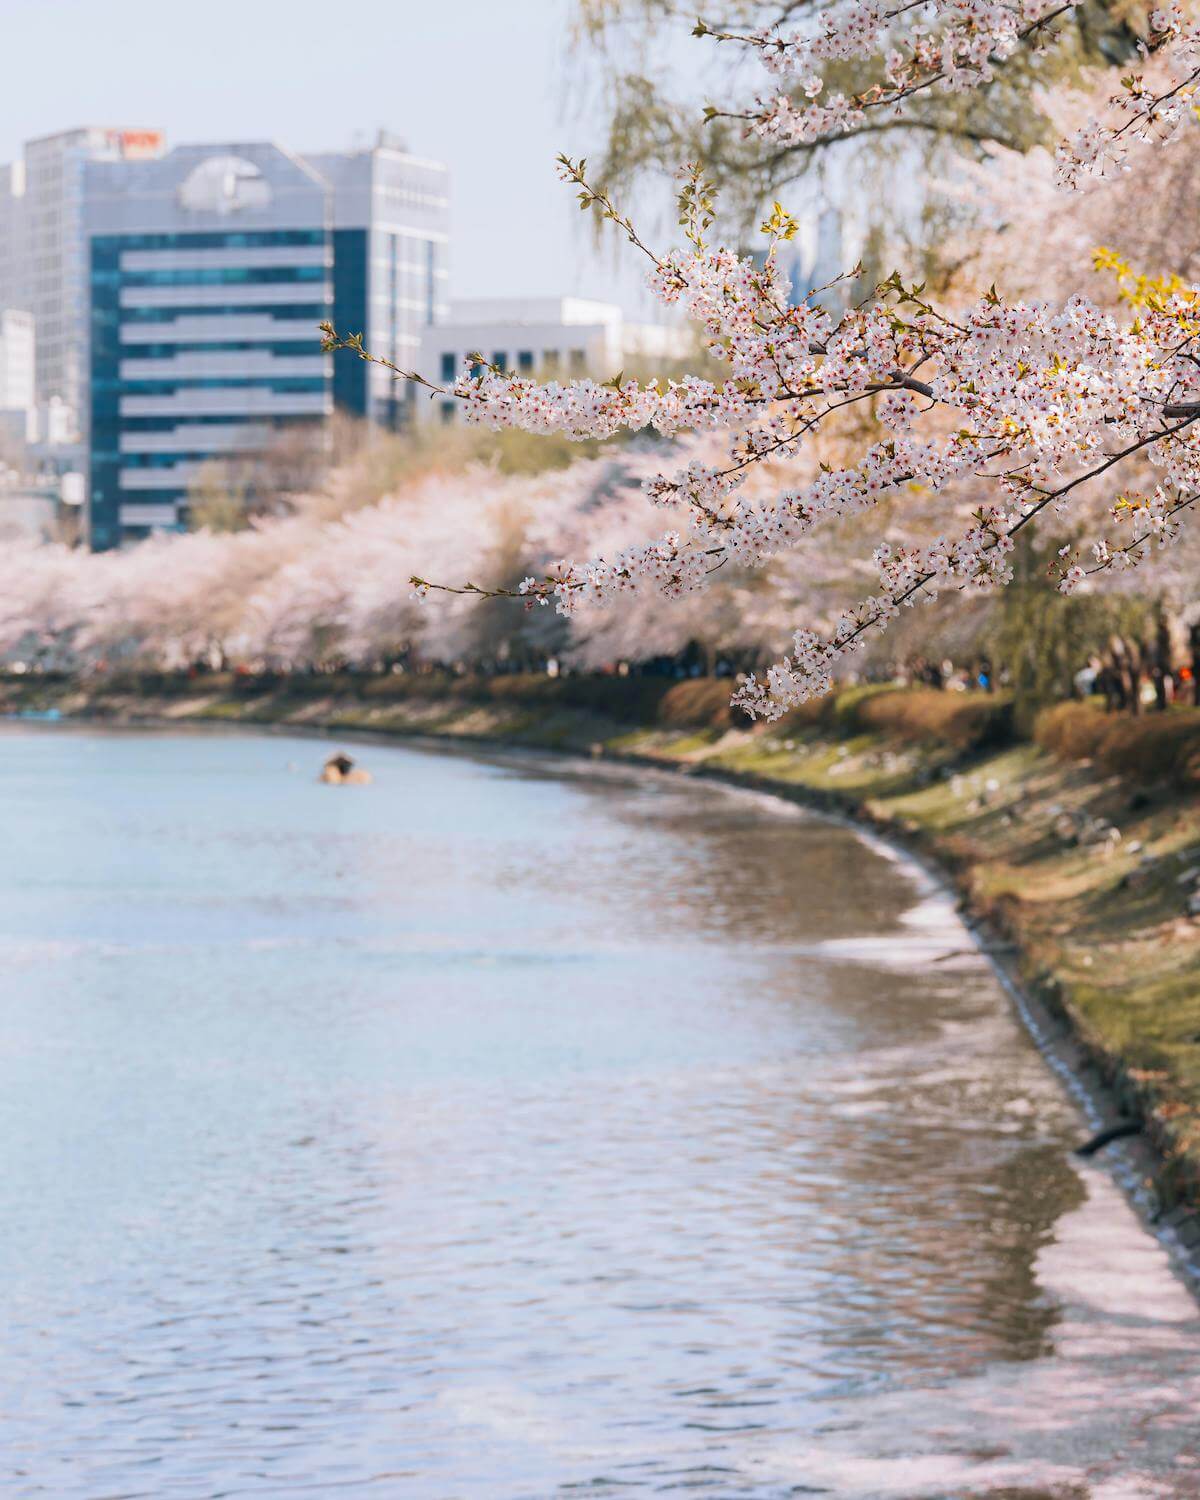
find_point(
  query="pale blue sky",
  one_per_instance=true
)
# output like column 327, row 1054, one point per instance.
column 485, row 85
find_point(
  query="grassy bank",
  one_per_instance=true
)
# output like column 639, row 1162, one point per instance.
column 1082, row 847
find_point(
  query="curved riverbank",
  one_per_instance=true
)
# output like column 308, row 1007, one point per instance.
column 1077, row 881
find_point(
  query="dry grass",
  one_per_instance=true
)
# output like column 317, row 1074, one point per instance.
column 702, row 703
column 963, row 721
column 1151, row 749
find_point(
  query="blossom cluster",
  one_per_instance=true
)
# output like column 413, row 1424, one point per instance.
column 952, row 44
column 1153, row 519
column 956, row 45
column 1150, row 107
column 978, row 559
column 319, row 588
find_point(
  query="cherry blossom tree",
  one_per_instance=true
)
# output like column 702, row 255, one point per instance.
column 40, row 589
column 1030, row 407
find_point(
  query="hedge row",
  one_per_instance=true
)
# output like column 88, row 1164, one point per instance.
column 965, row 721
column 625, row 700
column 1151, row 748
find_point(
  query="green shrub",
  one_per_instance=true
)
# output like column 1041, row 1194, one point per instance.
column 1071, row 731
column 836, row 711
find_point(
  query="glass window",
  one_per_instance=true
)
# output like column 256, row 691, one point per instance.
column 214, row 240
column 524, row 360
column 447, row 412
column 549, row 360
column 500, row 359
column 578, row 361
column 449, row 364
column 224, row 276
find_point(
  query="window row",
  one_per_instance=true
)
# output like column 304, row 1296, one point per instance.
column 213, row 276
column 548, row 362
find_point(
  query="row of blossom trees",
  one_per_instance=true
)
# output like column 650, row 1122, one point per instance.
column 313, row 589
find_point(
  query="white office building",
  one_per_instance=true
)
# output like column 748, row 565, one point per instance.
column 43, row 257
column 551, row 337
column 391, row 238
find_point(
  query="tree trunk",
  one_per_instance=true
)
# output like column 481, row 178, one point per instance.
column 1194, row 648
column 1127, row 676
column 1161, row 661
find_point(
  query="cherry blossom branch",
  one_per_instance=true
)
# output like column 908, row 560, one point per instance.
column 922, row 71
column 1163, row 529
column 978, row 558
column 956, row 45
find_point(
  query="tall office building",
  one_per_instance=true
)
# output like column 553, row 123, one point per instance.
column 43, row 259
column 210, row 270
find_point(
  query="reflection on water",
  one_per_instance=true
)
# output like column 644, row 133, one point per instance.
column 503, row 1131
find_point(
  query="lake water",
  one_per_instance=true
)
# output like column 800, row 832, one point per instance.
column 508, row 1129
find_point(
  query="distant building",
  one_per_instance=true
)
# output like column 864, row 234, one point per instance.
column 211, row 270
column 552, row 337
column 18, row 389
column 43, row 260
column 14, row 259
column 54, row 425
column 28, row 508
column 38, row 504
column 827, row 246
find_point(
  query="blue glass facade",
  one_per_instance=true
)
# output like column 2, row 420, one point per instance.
column 122, row 480
column 285, row 311
column 105, row 424
column 350, row 315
